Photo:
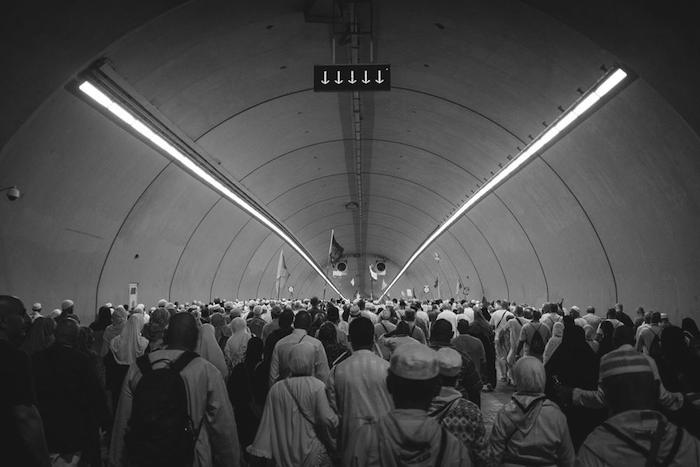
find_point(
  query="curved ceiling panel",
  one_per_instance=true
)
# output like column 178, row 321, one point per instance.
column 566, row 242
column 156, row 232
column 79, row 177
column 526, row 281
column 199, row 260
column 639, row 186
column 609, row 212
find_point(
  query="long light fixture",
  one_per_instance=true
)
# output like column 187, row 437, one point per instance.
column 573, row 114
column 127, row 117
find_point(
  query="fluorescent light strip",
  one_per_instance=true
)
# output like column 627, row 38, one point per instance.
column 573, row 114
column 122, row 114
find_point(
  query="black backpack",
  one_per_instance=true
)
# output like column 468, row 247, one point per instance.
column 655, row 346
column 160, row 431
column 537, row 342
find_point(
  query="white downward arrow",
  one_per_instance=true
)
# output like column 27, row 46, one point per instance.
column 352, row 79
column 325, row 78
column 379, row 79
column 338, row 80
column 366, row 81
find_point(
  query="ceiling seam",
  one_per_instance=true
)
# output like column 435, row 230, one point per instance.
column 221, row 259
column 119, row 230
column 590, row 221
column 253, row 252
column 505, row 279
column 184, row 248
column 534, row 250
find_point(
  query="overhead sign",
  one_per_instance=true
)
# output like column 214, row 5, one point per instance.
column 368, row 77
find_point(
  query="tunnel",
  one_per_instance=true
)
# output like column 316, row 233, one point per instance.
column 608, row 212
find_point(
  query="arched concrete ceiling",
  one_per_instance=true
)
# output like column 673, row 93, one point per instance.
column 608, row 213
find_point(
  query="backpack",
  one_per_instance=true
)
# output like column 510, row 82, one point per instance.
column 160, row 431
column 655, row 346
column 537, row 342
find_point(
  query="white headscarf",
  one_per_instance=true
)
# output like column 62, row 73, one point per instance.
column 529, row 375
column 130, row 344
column 554, row 341
column 209, row 349
column 237, row 344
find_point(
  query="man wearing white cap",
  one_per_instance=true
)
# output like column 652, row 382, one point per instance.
column 67, row 310
column 407, row 435
column 636, row 434
column 36, row 311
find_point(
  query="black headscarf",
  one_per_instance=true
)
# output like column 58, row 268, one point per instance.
column 104, row 319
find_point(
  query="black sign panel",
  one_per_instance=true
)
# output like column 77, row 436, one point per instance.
column 352, row 78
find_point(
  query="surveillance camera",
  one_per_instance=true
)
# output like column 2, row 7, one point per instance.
column 13, row 193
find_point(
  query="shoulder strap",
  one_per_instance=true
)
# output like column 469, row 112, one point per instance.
column 296, row 401
column 384, row 326
column 674, row 450
column 443, row 446
column 631, row 443
column 302, row 338
column 183, row 360
column 501, row 320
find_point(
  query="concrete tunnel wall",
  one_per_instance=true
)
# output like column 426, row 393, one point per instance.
column 609, row 213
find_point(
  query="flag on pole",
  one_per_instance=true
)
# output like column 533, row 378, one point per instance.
column 409, row 292
column 282, row 273
column 403, row 294
column 460, row 287
column 372, row 274
column 335, row 251
column 437, row 283
column 352, row 282
column 384, row 284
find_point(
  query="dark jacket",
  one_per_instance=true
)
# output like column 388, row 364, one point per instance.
column 70, row 399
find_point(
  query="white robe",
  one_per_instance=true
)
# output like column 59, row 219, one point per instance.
column 286, row 435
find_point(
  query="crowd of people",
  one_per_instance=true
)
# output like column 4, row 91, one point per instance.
column 321, row 383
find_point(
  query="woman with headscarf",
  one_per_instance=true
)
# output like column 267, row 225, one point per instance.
column 209, row 349
column 236, row 344
column 154, row 330
column 297, row 422
column 242, row 392
column 40, row 336
column 589, row 332
column 691, row 334
column 553, row 342
column 481, row 329
column 104, row 319
column 221, row 331
column 328, row 336
column 123, row 351
column 530, row 429
column 605, row 338
column 113, row 330
column 574, row 364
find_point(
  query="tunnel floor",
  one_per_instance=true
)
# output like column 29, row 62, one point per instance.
column 491, row 403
